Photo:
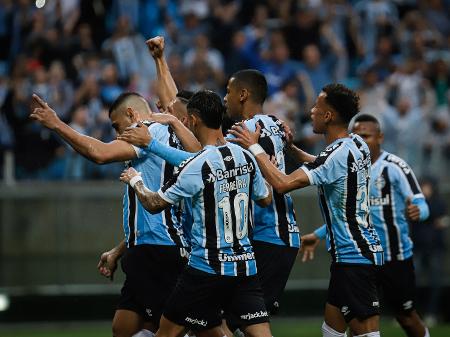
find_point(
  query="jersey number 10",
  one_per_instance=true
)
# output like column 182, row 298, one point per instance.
column 240, row 204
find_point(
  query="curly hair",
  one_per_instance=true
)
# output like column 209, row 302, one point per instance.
column 343, row 100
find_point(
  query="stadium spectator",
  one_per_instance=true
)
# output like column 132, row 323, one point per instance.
column 387, row 49
column 429, row 246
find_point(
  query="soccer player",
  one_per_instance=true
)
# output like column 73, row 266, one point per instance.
column 155, row 243
column 276, row 237
column 395, row 199
column 221, row 179
column 341, row 172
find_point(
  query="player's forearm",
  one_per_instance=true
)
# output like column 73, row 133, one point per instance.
column 167, row 89
column 171, row 155
column 149, row 199
column 273, row 175
column 119, row 250
column 186, row 137
column 89, row 147
column 300, row 155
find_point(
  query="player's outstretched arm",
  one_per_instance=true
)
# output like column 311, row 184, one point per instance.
column 151, row 201
column 108, row 260
column 167, row 89
column 91, row 148
column 281, row 182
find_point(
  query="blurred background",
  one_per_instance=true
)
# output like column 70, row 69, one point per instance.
column 58, row 212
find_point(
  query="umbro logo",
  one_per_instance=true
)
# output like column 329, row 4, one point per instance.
column 228, row 158
column 149, row 312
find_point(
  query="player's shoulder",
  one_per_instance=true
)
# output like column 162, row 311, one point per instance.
column 397, row 164
column 332, row 150
column 240, row 152
column 192, row 163
column 395, row 161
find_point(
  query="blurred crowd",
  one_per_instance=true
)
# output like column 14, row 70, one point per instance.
column 80, row 55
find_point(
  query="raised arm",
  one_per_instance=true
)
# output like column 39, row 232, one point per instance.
column 151, row 201
column 281, row 182
column 167, row 89
column 91, row 148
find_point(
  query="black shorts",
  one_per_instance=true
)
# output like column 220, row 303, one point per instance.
column 397, row 283
column 274, row 263
column 200, row 298
column 353, row 289
column 151, row 274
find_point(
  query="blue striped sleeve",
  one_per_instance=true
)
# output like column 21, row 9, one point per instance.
column 321, row 232
column 423, row 208
column 173, row 156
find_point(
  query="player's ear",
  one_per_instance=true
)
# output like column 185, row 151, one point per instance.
column 132, row 114
column 328, row 116
column 243, row 95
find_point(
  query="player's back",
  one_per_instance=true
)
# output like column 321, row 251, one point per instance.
column 276, row 223
column 221, row 180
column 342, row 173
column 392, row 182
column 140, row 226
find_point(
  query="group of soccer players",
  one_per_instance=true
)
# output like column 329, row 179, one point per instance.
column 210, row 229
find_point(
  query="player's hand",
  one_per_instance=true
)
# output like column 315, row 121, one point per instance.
column 308, row 246
column 156, row 46
column 128, row 174
column 138, row 135
column 244, row 137
column 108, row 264
column 289, row 135
column 412, row 211
column 42, row 113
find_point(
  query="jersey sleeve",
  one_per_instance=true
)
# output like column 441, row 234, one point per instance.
column 405, row 180
column 329, row 166
column 170, row 154
column 259, row 188
column 184, row 184
column 407, row 185
column 321, row 232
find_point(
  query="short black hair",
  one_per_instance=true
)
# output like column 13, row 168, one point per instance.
column 184, row 96
column 121, row 99
column 208, row 105
column 254, row 81
column 366, row 118
column 342, row 99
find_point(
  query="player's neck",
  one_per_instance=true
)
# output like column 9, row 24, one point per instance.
column 251, row 110
column 211, row 137
column 374, row 155
column 335, row 133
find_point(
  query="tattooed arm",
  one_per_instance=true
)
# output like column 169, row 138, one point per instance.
column 151, row 201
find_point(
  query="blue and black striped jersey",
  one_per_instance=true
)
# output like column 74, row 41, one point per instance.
column 276, row 223
column 393, row 181
column 140, row 226
column 342, row 174
column 221, row 182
